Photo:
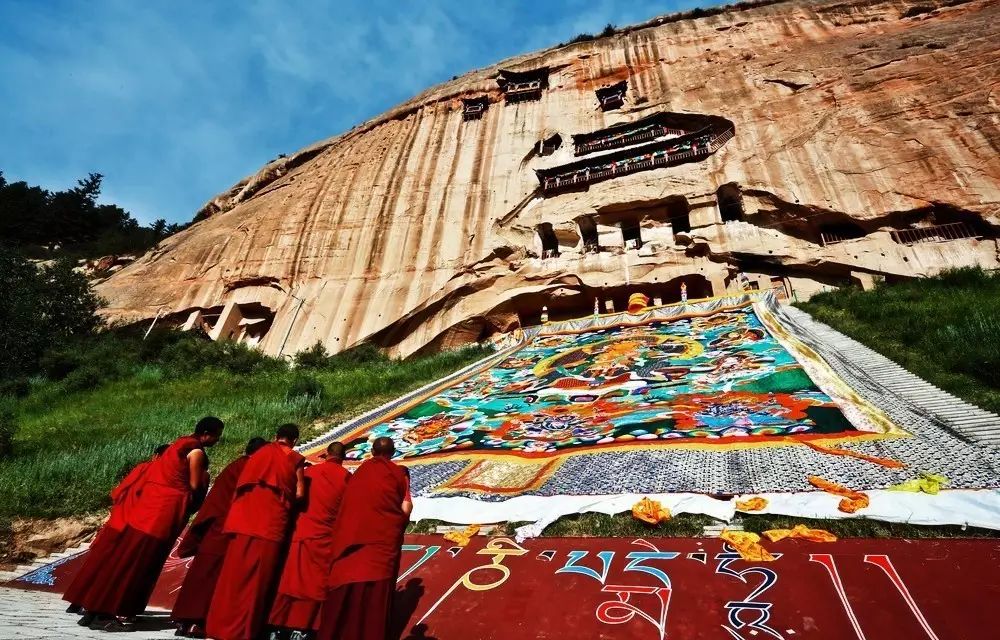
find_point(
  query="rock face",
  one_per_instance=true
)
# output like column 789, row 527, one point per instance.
column 799, row 145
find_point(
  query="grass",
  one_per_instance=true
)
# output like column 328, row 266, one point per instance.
column 944, row 329
column 73, row 444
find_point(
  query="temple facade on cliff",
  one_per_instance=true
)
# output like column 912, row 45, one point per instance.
column 796, row 146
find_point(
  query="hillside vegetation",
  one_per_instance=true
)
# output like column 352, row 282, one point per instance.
column 944, row 329
column 100, row 405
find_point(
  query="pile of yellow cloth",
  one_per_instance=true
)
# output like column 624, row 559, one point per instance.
column 755, row 503
column 747, row 545
column 462, row 538
column 800, row 531
column 852, row 500
column 927, row 482
column 650, row 511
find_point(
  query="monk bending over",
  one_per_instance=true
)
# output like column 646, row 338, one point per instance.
column 367, row 547
column 258, row 523
column 302, row 589
column 205, row 541
column 122, row 498
column 170, row 485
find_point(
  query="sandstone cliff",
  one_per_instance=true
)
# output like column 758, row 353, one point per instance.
column 858, row 129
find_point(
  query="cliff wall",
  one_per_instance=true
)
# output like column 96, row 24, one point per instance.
column 858, row 129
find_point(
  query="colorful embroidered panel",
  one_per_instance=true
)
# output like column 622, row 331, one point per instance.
column 721, row 378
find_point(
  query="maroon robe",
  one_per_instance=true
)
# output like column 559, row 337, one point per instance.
column 205, row 541
column 152, row 524
column 122, row 497
column 258, row 524
column 303, row 580
column 367, row 547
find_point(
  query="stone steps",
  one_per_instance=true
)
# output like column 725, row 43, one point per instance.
column 969, row 421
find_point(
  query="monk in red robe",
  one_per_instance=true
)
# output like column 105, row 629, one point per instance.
column 122, row 497
column 205, row 541
column 367, row 547
column 169, row 485
column 302, row 588
column 258, row 523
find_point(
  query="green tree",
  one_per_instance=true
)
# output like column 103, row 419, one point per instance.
column 40, row 307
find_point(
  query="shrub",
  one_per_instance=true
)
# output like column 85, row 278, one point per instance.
column 364, row 353
column 315, row 357
column 304, row 386
column 609, row 30
column 8, row 426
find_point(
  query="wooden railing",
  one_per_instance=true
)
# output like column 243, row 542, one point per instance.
column 938, row 233
column 554, row 183
column 628, row 139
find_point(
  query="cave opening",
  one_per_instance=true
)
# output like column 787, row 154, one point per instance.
column 730, row 202
column 679, row 214
column 631, row 234
column 588, row 231
column 549, row 145
column 547, row 236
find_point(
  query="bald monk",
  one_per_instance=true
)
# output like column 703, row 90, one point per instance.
column 303, row 581
column 205, row 541
column 367, row 546
column 169, row 486
column 122, row 497
column 258, row 522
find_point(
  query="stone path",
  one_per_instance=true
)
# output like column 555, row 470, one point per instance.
column 37, row 615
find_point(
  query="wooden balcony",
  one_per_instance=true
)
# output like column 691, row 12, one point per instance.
column 648, row 157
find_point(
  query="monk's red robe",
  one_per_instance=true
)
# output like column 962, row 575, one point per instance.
column 152, row 523
column 302, row 588
column 258, row 524
column 367, row 547
column 207, row 543
column 122, row 497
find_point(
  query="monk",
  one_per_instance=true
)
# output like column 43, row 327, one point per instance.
column 122, row 497
column 258, row 523
column 170, row 483
column 367, row 547
column 205, row 541
column 302, row 588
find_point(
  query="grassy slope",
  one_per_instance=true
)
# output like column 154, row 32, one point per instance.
column 72, row 447
column 945, row 329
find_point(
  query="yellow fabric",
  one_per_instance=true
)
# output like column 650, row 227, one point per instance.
column 800, row 531
column 852, row 500
column 637, row 302
column 927, row 482
column 747, row 545
column 462, row 538
column 650, row 511
column 753, row 504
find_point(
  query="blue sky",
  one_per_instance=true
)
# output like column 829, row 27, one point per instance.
column 174, row 101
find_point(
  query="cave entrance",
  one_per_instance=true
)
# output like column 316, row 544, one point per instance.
column 679, row 214
column 550, row 244
column 588, row 231
column 631, row 235
column 730, row 202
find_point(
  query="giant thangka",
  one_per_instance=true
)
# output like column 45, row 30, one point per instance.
column 695, row 404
